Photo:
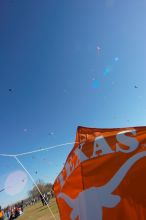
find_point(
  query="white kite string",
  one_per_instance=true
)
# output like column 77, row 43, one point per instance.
column 7, row 155
column 19, row 162
column 45, row 149
column 36, row 151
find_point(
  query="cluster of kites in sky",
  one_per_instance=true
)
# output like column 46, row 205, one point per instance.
column 95, row 82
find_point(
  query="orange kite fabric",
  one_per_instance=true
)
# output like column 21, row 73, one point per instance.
column 104, row 177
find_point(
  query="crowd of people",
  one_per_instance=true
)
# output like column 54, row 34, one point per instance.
column 11, row 212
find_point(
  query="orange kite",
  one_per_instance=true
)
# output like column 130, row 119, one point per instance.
column 104, row 176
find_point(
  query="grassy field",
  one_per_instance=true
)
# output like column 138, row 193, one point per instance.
column 39, row 212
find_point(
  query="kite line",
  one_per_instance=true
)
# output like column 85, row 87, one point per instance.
column 39, row 150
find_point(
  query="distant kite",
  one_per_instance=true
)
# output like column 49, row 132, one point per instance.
column 116, row 59
column 51, row 133
column 2, row 190
column 98, row 49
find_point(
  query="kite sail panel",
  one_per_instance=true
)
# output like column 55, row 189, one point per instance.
column 104, row 176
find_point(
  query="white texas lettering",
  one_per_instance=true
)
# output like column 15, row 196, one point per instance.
column 80, row 154
column 70, row 167
column 101, row 147
column 60, row 179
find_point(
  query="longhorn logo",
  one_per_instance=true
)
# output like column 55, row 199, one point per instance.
column 89, row 203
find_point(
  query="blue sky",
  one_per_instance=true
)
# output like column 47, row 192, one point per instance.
column 60, row 80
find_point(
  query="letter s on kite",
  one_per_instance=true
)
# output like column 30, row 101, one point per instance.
column 131, row 142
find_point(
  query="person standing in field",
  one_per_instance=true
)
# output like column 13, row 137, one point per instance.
column 42, row 199
column 1, row 214
column 22, row 205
